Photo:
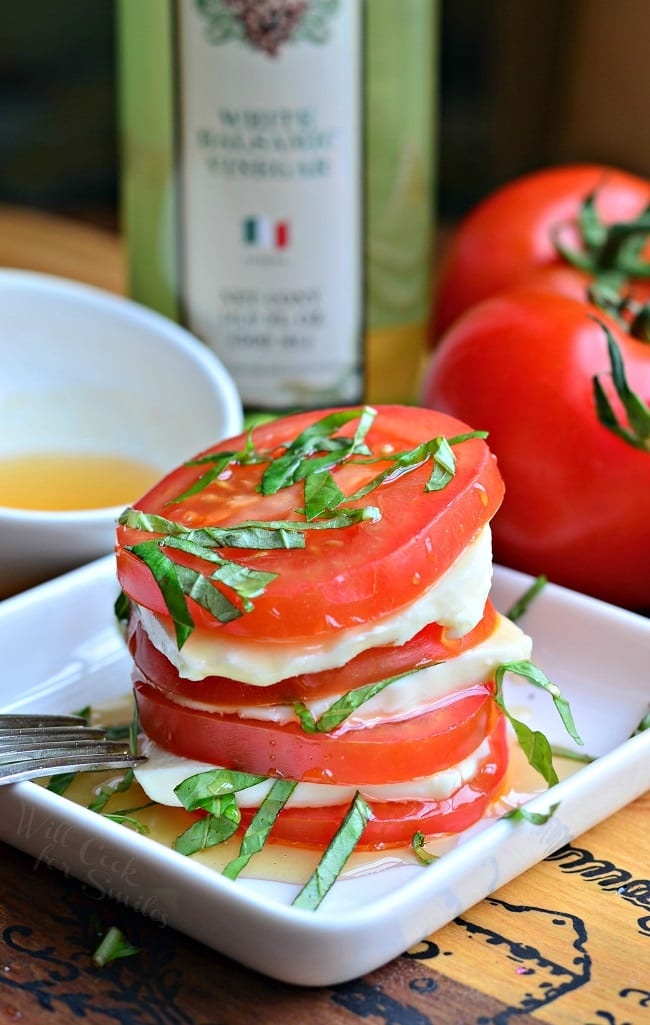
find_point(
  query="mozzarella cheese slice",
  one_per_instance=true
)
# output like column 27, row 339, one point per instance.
column 163, row 771
column 409, row 696
column 456, row 601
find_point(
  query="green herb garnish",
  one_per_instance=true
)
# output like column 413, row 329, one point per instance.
column 212, row 791
column 335, row 856
column 643, row 725
column 297, row 461
column 211, row 830
column 113, row 946
column 518, row 608
column 340, row 709
column 261, row 824
column 535, row 818
column 107, row 790
column 532, row 742
column 420, row 851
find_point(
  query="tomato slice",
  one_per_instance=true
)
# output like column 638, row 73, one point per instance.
column 432, row 644
column 343, row 577
column 393, row 823
column 385, row 753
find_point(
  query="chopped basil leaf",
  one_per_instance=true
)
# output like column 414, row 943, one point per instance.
column 335, row 856
column 295, row 464
column 322, row 494
column 120, row 731
column 417, row 843
column 220, row 462
column 107, row 790
column 203, row 789
column 517, row 610
column 438, row 450
column 340, row 709
column 643, row 725
column 257, row 833
column 444, row 465
column 247, row 583
column 637, row 433
column 532, row 742
column 59, row 784
column 122, row 608
column 113, row 945
column 218, row 825
column 200, row 589
column 536, row 818
column 125, row 818
column 254, row 534
column 165, row 575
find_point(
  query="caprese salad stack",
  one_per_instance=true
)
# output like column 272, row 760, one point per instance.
column 316, row 658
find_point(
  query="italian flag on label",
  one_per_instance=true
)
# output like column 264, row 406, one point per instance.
column 264, row 233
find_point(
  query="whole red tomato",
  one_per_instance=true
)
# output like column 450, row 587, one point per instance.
column 577, row 504
column 511, row 235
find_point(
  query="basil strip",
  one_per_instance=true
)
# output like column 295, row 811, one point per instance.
column 203, row 789
column 247, row 583
column 113, row 946
column 340, row 709
column 251, row 534
column 444, row 465
column 637, row 411
column 122, row 608
column 643, row 725
column 216, row 827
column 438, row 450
column 322, row 494
column 420, row 851
column 125, row 818
column 532, row 742
column 295, row 463
column 520, row 606
column 220, row 462
column 257, row 833
column 335, row 856
column 536, row 818
column 107, row 790
column 165, row 575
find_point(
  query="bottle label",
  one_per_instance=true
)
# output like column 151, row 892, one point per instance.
column 269, row 126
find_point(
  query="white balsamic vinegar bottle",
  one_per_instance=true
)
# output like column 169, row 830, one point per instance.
column 278, row 187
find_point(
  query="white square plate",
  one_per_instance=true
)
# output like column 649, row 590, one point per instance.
column 61, row 649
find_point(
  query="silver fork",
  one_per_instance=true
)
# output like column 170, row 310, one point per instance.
column 33, row 746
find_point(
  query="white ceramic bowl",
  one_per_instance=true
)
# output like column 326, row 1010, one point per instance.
column 85, row 371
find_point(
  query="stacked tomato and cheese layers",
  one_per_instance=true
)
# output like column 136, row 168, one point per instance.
column 361, row 661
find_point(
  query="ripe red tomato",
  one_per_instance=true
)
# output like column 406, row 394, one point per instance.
column 390, row 752
column 343, row 577
column 432, row 644
column 393, row 823
column 577, row 502
column 510, row 235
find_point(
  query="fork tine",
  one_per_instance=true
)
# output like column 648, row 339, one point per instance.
column 15, row 772
column 33, row 746
column 64, row 735
column 62, row 749
column 22, row 720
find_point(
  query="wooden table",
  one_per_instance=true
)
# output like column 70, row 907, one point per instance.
column 561, row 944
